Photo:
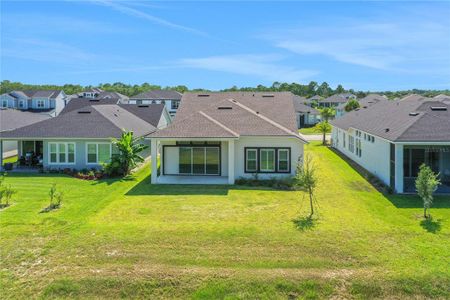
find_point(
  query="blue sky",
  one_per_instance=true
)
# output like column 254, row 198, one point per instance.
column 362, row 45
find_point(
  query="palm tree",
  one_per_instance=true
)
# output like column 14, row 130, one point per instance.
column 327, row 113
column 324, row 127
column 129, row 149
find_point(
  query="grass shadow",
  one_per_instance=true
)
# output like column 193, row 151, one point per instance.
column 430, row 225
column 304, row 223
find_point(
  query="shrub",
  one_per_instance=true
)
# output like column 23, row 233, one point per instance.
column 285, row 183
column 56, row 197
column 113, row 168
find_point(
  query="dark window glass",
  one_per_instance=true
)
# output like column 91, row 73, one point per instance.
column 417, row 158
column 185, row 160
column 198, row 156
column 212, row 160
column 406, row 158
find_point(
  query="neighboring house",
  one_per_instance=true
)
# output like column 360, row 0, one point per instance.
column 306, row 116
column 392, row 140
column 82, row 138
column 365, row 102
column 219, row 137
column 46, row 101
column 167, row 97
column 96, row 93
column 11, row 119
column 335, row 100
column 159, row 111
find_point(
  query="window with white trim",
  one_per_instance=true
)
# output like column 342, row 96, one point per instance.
column 267, row 160
column 351, row 143
column 283, row 160
column 251, row 163
column 5, row 103
column 174, row 104
column 40, row 103
column 61, row 153
column 21, row 104
column 97, row 153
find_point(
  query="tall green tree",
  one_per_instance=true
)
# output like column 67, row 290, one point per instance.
column 352, row 104
column 327, row 113
column 129, row 151
column 426, row 184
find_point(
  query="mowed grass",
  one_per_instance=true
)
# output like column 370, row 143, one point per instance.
column 310, row 130
column 130, row 239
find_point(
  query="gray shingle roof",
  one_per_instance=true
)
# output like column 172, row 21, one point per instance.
column 12, row 118
column 100, row 121
column 335, row 99
column 151, row 113
column 77, row 103
column 392, row 120
column 159, row 95
column 42, row 93
column 299, row 104
column 232, row 114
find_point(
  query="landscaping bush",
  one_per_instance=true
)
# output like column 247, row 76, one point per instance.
column 113, row 168
column 56, row 197
column 285, row 183
column 6, row 193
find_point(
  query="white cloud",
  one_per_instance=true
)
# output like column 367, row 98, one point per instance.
column 143, row 15
column 405, row 44
column 263, row 66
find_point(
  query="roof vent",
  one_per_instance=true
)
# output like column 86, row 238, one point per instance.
column 94, row 100
column 143, row 105
column 439, row 108
column 386, row 130
column 224, row 107
column 413, row 113
column 203, row 95
column 268, row 95
column 84, row 112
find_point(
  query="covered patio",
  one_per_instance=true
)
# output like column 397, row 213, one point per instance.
column 435, row 156
column 173, row 179
column 29, row 155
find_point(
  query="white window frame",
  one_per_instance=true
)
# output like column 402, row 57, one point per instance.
column 174, row 104
column 66, row 153
column 274, row 160
column 40, row 101
column 287, row 160
column 96, row 152
column 256, row 160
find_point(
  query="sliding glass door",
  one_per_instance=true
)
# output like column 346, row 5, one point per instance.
column 199, row 161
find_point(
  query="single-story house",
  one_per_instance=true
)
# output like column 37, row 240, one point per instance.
column 335, row 100
column 171, row 99
column 391, row 140
column 11, row 119
column 45, row 101
column 306, row 116
column 367, row 101
column 82, row 138
column 219, row 137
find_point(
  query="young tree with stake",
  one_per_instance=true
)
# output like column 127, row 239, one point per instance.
column 426, row 184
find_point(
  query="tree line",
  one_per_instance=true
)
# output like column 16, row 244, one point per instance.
column 305, row 90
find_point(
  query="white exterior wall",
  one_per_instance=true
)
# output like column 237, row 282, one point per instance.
column 170, row 161
column 375, row 156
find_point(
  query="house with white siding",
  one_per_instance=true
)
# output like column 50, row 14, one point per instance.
column 365, row 102
column 306, row 116
column 219, row 137
column 392, row 139
column 171, row 99
column 50, row 102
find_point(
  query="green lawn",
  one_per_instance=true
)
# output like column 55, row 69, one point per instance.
column 310, row 130
column 11, row 159
column 129, row 239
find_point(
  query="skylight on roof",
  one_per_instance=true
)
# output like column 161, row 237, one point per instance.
column 203, row 95
column 268, row 95
column 439, row 108
column 224, row 107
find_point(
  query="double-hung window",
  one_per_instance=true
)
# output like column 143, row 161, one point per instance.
column 267, row 160
column 40, row 103
column 97, row 153
column 174, row 104
column 251, row 162
column 61, row 153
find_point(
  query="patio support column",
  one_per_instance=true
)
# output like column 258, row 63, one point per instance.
column 231, row 162
column 154, row 158
column 1, row 155
column 399, row 168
